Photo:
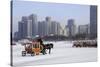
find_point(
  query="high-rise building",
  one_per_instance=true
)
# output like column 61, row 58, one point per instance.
column 53, row 28
column 16, row 35
column 48, row 25
column 58, row 28
column 20, row 30
column 48, row 19
column 93, row 21
column 28, row 26
column 29, row 29
column 39, row 28
column 66, row 29
column 71, row 27
column 24, row 26
column 83, row 29
column 42, row 28
column 33, row 17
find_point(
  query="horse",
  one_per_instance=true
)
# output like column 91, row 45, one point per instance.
column 45, row 46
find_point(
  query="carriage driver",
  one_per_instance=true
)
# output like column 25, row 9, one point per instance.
column 41, row 43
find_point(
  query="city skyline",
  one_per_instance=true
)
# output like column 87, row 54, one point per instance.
column 29, row 27
column 60, row 12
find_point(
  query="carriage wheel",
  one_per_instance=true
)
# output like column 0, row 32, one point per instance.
column 23, row 53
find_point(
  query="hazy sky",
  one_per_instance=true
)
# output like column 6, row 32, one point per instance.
column 57, row 11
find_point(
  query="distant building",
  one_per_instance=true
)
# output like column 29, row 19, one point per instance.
column 48, row 25
column 71, row 27
column 16, row 35
column 93, row 21
column 20, row 30
column 33, row 17
column 42, row 28
column 54, row 28
column 29, row 29
column 48, row 19
column 28, row 26
column 58, row 28
column 83, row 29
column 66, row 31
column 24, row 26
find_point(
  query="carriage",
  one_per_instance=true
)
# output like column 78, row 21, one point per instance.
column 34, row 48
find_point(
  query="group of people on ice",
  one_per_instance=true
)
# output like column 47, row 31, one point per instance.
column 85, row 43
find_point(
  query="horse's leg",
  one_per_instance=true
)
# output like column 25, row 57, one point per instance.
column 49, row 50
column 45, row 51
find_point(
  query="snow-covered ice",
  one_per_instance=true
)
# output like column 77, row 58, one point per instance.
column 61, row 53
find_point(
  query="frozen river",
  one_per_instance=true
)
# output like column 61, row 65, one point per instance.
column 61, row 53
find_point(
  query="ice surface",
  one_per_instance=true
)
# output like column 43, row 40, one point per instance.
column 61, row 53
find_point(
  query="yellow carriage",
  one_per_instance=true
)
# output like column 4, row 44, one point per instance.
column 34, row 48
